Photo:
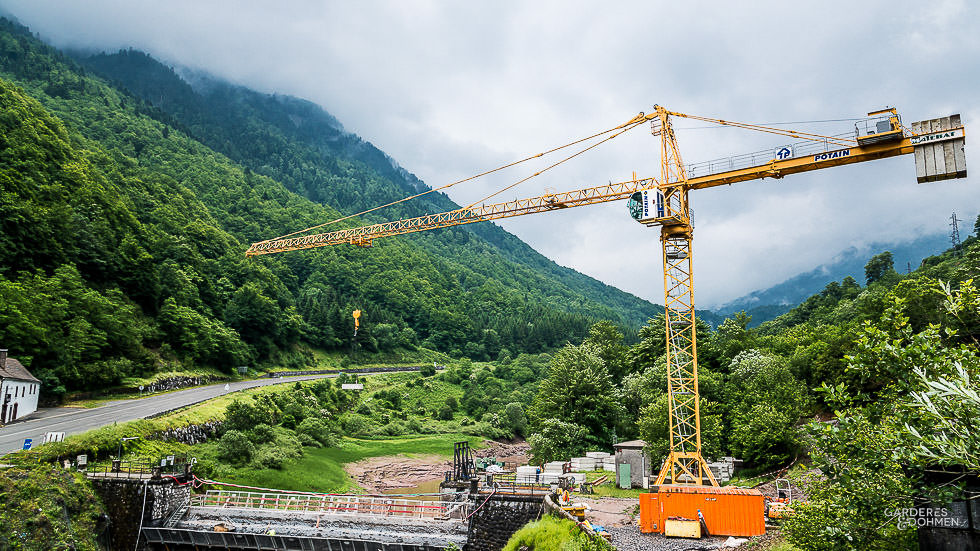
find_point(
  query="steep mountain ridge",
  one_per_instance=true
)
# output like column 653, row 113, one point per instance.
column 121, row 251
column 767, row 304
column 300, row 144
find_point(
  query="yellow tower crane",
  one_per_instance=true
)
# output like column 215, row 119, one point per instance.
column 938, row 146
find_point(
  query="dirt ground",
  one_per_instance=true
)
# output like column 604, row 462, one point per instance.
column 381, row 474
column 609, row 511
column 378, row 474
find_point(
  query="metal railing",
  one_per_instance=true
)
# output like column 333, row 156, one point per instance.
column 520, row 484
column 759, row 158
column 344, row 505
column 137, row 469
column 120, row 469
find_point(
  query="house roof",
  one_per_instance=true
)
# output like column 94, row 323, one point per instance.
column 631, row 444
column 15, row 370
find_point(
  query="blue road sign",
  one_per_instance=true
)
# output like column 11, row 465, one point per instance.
column 27, row 443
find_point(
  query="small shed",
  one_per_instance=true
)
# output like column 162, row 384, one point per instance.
column 632, row 464
column 18, row 390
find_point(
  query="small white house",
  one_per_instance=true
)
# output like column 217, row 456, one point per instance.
column 18, row 390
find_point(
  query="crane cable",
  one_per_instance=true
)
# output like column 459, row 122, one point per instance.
column 570, row 157
column 629, row 125
column 761, row 128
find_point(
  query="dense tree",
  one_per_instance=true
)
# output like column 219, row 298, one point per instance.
column 607, row 340
column 879, row 265
column 579, row 390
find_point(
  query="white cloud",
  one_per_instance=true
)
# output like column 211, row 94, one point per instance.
column 451, row 89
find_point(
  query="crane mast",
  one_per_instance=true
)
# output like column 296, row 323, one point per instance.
column 938, row 145
column 684, row 462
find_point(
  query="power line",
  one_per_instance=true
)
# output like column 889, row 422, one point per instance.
column 955, row 234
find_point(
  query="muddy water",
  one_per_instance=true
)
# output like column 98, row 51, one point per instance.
column 427, row 487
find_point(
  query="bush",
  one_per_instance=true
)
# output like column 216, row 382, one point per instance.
column 395, row 428
column 427, row 370
column 261, row 434
column 355, row 425
column 307, row 440
column 414, row 426
column 270, row 457
column 317, row 430
column 234, row 447
column 242, row 416
column 445, row 413
column 553, row 534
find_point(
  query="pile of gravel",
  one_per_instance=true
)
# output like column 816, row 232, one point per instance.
column 629, row 538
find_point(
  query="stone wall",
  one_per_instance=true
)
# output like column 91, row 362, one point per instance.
column 132, row 503
column 493, row 524
column 188, row 434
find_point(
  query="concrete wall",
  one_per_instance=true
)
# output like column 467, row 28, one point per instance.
column 493, row 524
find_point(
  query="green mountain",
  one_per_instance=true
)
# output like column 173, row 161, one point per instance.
column 768, row 304
column 123, row 233
column 301, row 145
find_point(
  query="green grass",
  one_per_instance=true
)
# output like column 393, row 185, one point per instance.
column 128, row 387
column 608, row 488
column 551, row 534
column 322, row 469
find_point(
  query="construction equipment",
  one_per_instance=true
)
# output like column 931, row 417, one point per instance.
column 938, row 145
column 780, row 506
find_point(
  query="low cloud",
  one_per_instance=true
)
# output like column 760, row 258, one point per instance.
column 449, row 90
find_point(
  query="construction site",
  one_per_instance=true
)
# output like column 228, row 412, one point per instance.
column 482, row 501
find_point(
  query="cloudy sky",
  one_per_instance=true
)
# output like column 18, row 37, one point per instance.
column 450, row 89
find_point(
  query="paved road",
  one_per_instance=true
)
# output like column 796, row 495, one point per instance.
column 77, row 420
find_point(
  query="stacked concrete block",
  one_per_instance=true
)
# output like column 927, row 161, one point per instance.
column 581, row 464
column 527, row 474
column 555, row 467
column 724, row 468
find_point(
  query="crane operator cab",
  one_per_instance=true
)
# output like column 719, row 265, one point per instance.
column 881, row 126
column 647, row 206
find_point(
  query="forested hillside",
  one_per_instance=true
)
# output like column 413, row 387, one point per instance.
column 767, row 304
column 299, row 144
column 123, row 236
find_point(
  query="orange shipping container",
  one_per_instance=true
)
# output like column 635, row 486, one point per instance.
column 727, row 511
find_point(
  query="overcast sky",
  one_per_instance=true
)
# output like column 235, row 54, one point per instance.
column 450, row 89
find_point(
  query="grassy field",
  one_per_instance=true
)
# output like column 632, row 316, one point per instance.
column 322, row 469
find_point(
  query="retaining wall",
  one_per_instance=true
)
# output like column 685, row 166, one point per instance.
column 494, row 523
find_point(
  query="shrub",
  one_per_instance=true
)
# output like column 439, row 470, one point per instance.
column 355, row 425
column 270, row 457
column 242, row 416
column 261, row 434
column 445, row 413
column 316, row 429
column 234, row 447
column 307, row 440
